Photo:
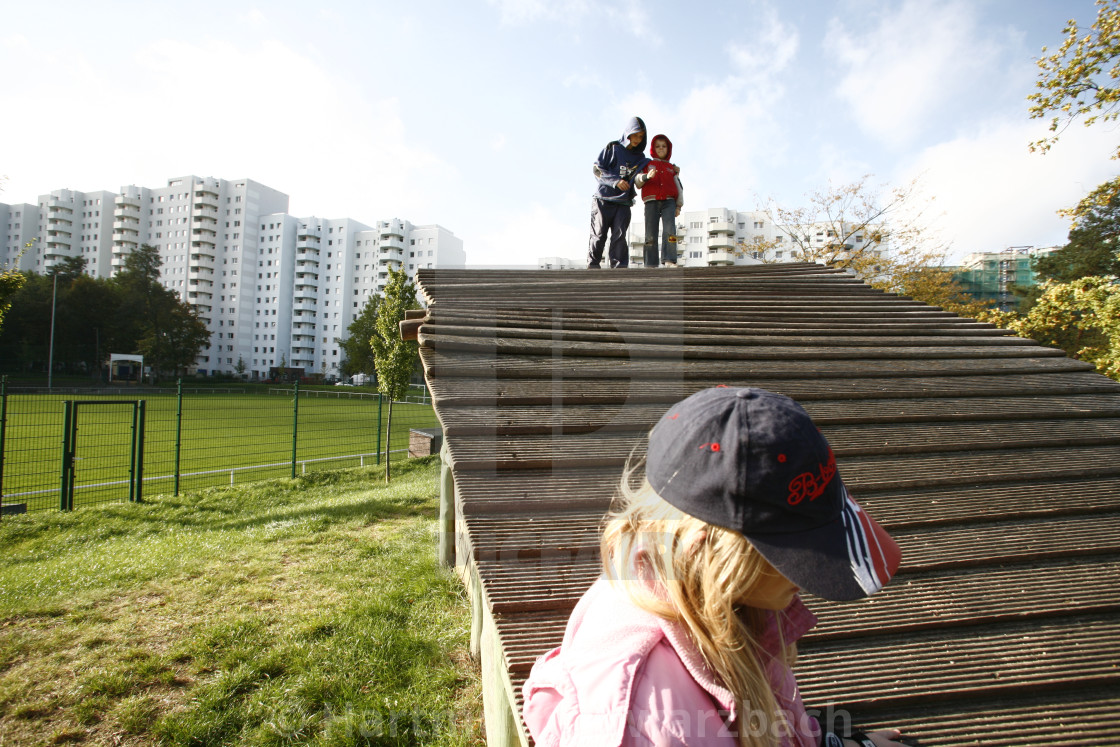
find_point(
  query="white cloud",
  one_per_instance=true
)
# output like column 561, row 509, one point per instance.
column 772, row 47
column 994, row 193
column 906, row 69
column 290, row 124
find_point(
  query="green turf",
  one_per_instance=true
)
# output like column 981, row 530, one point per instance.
column 309, row 611
column 223, row 439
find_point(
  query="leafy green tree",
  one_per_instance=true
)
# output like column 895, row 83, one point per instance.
column 167, row 331
column 356, row 348
column 394, row 358
column 1079, row 81
column 1082, row 317
column 10, row 283
column 1093, row 247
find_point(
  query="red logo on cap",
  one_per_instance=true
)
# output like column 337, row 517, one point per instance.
column 810, row 485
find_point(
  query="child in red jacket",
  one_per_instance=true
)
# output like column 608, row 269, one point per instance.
column 664, row 198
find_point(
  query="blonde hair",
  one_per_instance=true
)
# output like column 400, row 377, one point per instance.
column 704, row 570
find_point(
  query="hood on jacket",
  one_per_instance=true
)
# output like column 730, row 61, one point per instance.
column 634, row 125
column 669, row 149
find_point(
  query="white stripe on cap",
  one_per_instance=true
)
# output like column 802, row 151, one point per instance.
column 859, row 552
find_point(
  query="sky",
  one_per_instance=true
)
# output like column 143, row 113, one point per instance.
column 484, row 116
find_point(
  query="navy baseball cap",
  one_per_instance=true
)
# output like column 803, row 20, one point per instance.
column 752, row 461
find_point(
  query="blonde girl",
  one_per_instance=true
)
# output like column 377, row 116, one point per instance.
column 689, row 636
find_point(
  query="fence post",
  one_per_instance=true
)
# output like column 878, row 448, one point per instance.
column 378, row 429
column 138, row 491
column 295, row 427
column 3, row 430
column 178, row 430
column 65, row 498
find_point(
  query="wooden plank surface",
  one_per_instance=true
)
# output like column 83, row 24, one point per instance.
column 994, row 461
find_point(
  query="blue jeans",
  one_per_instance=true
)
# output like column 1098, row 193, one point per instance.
column 613, row 217
column 665, row 213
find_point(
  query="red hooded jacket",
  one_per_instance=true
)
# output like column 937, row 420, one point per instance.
column 664, row 184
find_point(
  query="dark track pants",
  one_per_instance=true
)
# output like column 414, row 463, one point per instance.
column 613, row 217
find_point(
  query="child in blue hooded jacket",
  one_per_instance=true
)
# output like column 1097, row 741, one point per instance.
column 619, row 170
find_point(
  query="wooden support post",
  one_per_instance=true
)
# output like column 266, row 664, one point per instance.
column 502, row 729
column 446, row 508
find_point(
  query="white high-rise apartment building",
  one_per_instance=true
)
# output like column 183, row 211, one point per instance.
column 274, row 290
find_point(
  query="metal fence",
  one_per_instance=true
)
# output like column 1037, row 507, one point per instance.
column 72, row 448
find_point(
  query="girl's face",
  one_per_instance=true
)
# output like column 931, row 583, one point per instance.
column 772, row 592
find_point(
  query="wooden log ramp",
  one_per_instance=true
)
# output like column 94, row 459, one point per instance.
column 993, row 460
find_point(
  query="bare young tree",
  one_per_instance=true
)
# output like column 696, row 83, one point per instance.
column 881, row 236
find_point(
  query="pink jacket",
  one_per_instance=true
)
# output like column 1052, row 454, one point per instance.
column 623, row 676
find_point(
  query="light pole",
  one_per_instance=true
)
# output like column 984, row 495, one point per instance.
column 50, row 353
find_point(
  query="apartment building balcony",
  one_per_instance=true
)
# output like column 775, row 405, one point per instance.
column 57, row 254
column 307, row 253
column 200, row 297
column 58, row 207
column 307, row 261
column 202, row 259
column 124, row 244
column 205, row 213
column 200, row 284
column 300, row 338
column 308, row 292
column 307, row 272
column 127, row 203
column 202, row 308
column 205, row 199
column 208, row 190
column 122, row 223
column 307, row 363
column 391, row 255
column 203, row 246
column 392, row 228
column 307, row 236
column 721, row 227
column 58, row 244
column 203, row 233
column 721, row 241
column 305, row 304
column 717, row 257
column 299, row 316
column 392, row 243
column 199, row 272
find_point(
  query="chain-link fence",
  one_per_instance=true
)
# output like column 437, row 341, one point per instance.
column 82, row 447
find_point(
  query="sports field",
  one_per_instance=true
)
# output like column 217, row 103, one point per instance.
column 221, row 438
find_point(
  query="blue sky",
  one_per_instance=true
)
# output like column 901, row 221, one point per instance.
column 485, row 115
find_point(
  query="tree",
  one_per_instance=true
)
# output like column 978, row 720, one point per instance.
column 394, row 358
column 10, row 282
column 1093, row 247
column 167, row 331
column 1079, row 81
column 1082, row 317
column 356, row 349
column 880, row 238
column 937, row 287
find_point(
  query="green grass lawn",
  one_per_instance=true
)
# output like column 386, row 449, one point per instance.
column 224, row 438
column 306, row 611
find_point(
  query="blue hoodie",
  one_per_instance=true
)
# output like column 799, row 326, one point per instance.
column 617, row 162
